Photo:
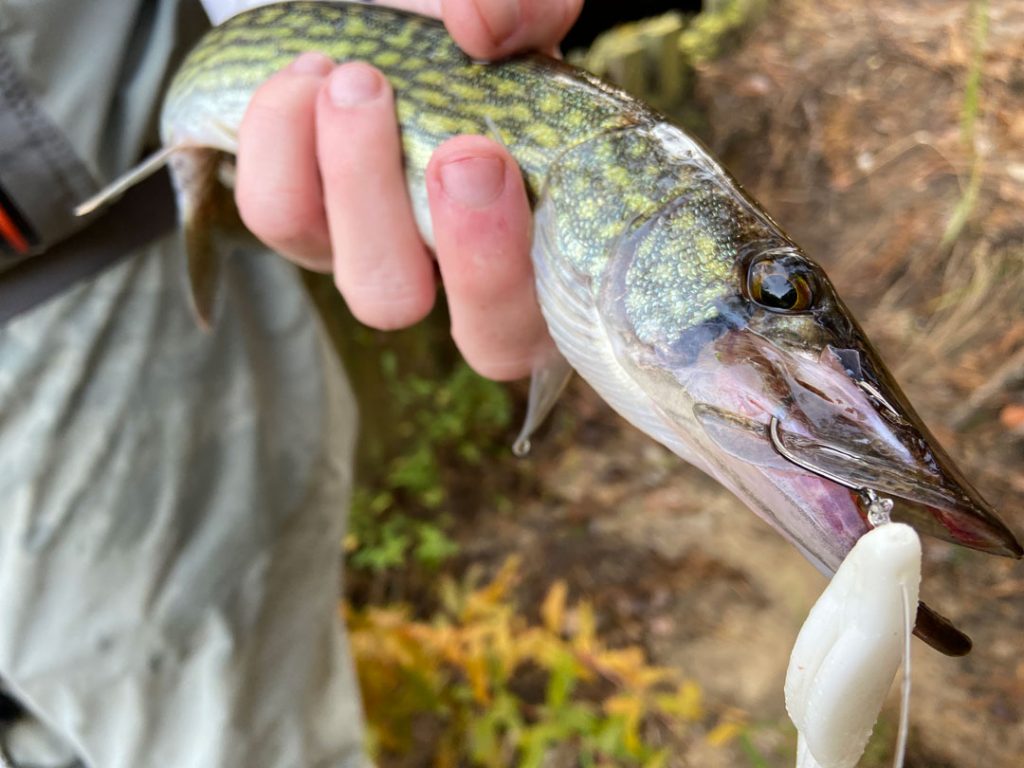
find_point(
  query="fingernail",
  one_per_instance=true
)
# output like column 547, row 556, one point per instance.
column 501, row 19
column 311, row 63
column 473, row 181
column 353, row 84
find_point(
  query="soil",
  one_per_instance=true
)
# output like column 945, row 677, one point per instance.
column 846, row 120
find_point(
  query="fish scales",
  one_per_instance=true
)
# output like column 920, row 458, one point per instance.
column 440, row 91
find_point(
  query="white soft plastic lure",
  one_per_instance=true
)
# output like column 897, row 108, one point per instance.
column 848, row 651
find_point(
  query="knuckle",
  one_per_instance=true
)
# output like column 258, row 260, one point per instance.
column 279, row 216
column 385, row 304
column 359, row 152
column 275, row 99
column 489, row 272
column 496, row 368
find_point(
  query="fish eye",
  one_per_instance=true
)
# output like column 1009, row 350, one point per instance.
column 781, row 284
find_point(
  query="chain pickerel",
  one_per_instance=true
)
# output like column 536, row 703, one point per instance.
column 662, row 282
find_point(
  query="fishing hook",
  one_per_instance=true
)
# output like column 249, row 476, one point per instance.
column 878, row 507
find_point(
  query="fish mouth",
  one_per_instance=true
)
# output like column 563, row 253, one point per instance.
column 935, row 499
column 932, row 504
column 838, row 439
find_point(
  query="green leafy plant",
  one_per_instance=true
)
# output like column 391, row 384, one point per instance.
column 443, row 428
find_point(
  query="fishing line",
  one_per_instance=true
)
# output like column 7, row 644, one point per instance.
column 901, row 735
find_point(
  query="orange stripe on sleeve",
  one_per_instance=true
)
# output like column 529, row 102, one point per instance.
column 11, row 233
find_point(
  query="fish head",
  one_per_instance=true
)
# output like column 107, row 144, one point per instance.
column 793, row 360
column 839, row 429
column 779, row 393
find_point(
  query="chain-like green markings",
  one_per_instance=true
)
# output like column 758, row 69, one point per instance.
column 537, row 106
column 591, row 148
column 669, row 227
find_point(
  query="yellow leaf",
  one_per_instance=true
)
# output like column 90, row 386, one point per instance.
column 552, row 611
column 476, row 671
column 658, row 760
column 622, row 704
column 495, row 592
column 629, row 668
column 723, row 733
column 631, row 710
column 620, row 660
column 583, row 639
column 502, row 649
column 545, row 650
column 685, row 703
column 450, row 596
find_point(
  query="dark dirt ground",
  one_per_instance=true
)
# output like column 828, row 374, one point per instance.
column 845, row 121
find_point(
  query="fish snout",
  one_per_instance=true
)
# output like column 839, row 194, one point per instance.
column 874, row 441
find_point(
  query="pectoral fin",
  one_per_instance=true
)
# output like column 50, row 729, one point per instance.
column 550, row 375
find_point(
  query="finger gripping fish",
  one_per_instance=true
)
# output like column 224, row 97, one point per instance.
column 662, row 282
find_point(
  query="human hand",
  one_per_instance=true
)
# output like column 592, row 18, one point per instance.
column 320, row 180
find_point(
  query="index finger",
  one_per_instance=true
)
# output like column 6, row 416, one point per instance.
column 491, row 29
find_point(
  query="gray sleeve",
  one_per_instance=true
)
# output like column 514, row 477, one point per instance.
column 174, row 504
column 80, row 87
column 97, row 69
column 174, row 501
